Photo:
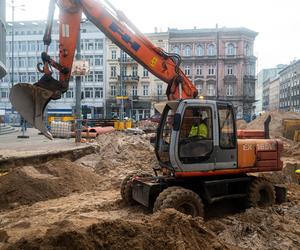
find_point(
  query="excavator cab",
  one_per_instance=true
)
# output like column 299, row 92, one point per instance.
column 195, row 136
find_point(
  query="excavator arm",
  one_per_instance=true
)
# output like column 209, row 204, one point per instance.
column 31, row 100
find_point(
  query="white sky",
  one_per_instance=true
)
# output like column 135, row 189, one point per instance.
column 276, row 21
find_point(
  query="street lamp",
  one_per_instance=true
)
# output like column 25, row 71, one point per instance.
column 13, row 7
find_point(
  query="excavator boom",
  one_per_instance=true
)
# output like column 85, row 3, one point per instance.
column 31, row 100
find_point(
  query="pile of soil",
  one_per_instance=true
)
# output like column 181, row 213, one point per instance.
column 120, row 154
column 241, row 124
column 57, row 178
column 276, row 128
column 275, row 227
column 168, row 229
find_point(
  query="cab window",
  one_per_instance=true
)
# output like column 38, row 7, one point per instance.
column 196, row 134
column 227, row 137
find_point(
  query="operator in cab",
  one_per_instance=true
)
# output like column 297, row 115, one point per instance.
column 199, row 128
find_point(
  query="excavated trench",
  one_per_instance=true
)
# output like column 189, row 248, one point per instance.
column 67, row 204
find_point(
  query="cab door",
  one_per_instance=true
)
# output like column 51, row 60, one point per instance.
column 226, row 151
column 194, row 153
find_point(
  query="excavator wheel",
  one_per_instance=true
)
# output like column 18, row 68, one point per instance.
column 181, row 199
column 261, row 193
column 126, row 186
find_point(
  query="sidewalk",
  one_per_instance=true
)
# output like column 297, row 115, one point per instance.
column 13, row 148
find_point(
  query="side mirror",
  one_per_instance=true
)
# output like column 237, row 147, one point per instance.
column 176, row 121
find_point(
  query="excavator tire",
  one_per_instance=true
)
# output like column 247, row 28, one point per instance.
column 261, row 193
column 181, row 199
column 126, row 186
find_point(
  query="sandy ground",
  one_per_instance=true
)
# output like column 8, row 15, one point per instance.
column 77, row 205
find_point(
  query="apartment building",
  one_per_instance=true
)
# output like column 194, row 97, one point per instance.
column 289, row 87
column 220, row 62
column 132, row 89
column 28, row 45
column 265, row 79
column 2, row 40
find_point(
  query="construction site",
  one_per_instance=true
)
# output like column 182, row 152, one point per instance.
column 203, row 172
column 62, row 195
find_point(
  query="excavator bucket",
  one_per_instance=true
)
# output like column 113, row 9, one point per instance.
column 30, row 101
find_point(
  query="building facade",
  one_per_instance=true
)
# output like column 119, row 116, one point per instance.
column 264, row 80
column 2, row 40
column 132, row 90
column 289, row 87
column 28, row 45
column 221, row 64
column 274, row 94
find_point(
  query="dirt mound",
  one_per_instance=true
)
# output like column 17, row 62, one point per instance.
column 118, row 155
column 276, row 128
column 57, row 178
column 168, row 229
column 275, row 227
column 241, row 124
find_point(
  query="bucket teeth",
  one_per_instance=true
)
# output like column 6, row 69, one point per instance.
column 30, row 101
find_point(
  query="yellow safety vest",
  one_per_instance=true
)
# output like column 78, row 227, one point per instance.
column 200, row 130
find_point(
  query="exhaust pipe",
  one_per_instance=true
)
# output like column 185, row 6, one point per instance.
column 266, row 127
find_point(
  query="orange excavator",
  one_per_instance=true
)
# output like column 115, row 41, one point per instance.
column 192, row 170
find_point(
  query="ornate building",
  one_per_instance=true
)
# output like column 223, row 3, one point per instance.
column 221, row 64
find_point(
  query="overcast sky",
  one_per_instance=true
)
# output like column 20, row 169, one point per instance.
column 276, row 21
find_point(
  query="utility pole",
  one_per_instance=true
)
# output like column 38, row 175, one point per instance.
column 217, row 68
column 121, row 116
column 78, row 94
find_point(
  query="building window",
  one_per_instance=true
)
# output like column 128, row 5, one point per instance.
column 159, row 89
column 229, row 70
column 211, row 50
column 145, row 90
column 123, row 56
column 4, row 93
column 113, row 54
column 211, row 70
column 187, row 70
column 134, row 70
column 113, row 71
column 176, row 50
column 134, row 90
column 69, row 93
column 23, row 77
column 124, row 71
column 32, row 45
column 89, row 44
column 98, row 92
column 112, row 90
column 187, row 50
column 32, row 77
column 98, row 76
column 31, row 62
column 198, row 70
column 99, row 60
column 88, row 92
column 230, row 51
column 145, row 73
column 210, row 90
column 22, row 62
column 200, row 50
column 99, row 44
column 199, row 88
column 229, row 90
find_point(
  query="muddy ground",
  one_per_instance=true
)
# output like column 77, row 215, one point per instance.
column 77, row 205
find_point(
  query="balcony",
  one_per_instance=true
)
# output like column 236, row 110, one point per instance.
column 127, row 60
column 130, row 79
